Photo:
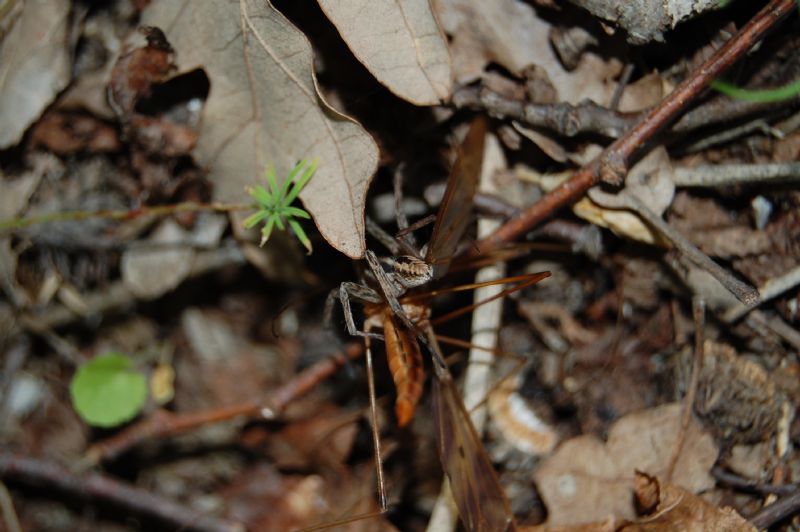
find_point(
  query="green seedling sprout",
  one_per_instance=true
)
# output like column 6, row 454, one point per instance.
column 787, row 92
column 274, row 208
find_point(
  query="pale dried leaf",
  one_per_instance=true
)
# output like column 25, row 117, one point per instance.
column 264, row 106
column 400, row 43
column 651, row 181
column 586, row 481
column 643, row 93
column 510, row 33
column 547, row 144
column 580, row 483
column 151, row 272
column 34, row 65
column 645, row 441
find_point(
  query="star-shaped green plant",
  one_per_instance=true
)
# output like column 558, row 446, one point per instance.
column 274, row 205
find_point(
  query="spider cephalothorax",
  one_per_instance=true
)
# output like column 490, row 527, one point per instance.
column 409, row 271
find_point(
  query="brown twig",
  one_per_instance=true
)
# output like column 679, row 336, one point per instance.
column 612, row 163
column 35, row 472
column 562, row 118
column 722, row 175
column 698, row 313
column 626, row 199
column 163, row 424
column 745, row 484
column 776, row 511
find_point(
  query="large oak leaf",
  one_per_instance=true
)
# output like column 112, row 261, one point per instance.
column 264, row 106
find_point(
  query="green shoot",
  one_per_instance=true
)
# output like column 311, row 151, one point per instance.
column 786, row 92
column 273, row 206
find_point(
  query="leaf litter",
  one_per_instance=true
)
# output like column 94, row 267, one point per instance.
column 203, row 96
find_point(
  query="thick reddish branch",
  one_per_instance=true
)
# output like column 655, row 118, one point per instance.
column 612, row 163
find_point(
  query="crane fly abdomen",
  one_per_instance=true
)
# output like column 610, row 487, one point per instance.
column 404, row 357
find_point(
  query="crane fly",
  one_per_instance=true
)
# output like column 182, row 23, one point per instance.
column 481, row 501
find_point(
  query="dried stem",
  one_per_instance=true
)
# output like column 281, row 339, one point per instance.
column 158, row 210
column 772, row 288
column 776, row 511
column 628, row 200
column 736, row 174
column 698, row 313
column 164, row 424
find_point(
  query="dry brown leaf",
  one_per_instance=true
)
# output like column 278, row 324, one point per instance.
column 35, row 65
column 550, row 146
column 645, row 440
column 645, row 92
column 587, row 481
column 714, row 230
column 400, row 43
column 151, row 272
column 264, row 106
column 580, row 483
column 678, row 509
column 510, row 33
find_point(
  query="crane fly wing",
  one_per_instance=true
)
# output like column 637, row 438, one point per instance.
column 454, row 212
column 481, row 501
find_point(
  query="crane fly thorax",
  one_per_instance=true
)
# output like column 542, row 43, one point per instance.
column 409, row 271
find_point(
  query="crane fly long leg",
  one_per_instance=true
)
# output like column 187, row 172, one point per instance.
column 376, row 438
column 523, row 282
column 481, row 501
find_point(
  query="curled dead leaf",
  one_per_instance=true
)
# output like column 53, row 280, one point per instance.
column 674, row 508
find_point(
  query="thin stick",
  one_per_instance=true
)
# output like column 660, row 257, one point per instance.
column 612, row 162
column 36, row 472
column 124, row 215
column 743, row 291
column 725, row 175
column 698, row 313
column 619, row 90
column 772, row 288
column 776, row 511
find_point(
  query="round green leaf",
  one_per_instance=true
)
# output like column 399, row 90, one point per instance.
column 106, row 392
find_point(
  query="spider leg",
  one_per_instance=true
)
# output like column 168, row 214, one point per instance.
column 344, row 294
